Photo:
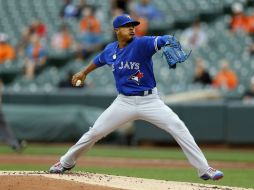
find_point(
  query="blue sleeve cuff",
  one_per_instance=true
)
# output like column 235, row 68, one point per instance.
column 162, row 40
column 97, row 61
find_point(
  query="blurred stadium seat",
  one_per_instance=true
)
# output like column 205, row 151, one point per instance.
column 221, row 43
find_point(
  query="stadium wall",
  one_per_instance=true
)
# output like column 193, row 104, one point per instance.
column 60, row 121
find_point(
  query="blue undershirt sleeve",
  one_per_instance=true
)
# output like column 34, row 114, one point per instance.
column 160, row 41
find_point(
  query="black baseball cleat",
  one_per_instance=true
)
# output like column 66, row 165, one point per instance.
column 57, row 168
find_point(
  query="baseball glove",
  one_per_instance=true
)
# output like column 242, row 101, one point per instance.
column 173, row 52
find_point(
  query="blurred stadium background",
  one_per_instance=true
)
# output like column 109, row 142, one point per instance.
column 40, row 107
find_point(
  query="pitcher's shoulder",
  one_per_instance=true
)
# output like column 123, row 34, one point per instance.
column 145, row 38
column 111, row 45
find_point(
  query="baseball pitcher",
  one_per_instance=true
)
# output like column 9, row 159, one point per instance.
column 130, row 58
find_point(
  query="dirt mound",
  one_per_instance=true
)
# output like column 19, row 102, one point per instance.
column 43, row 181
column 27, row 182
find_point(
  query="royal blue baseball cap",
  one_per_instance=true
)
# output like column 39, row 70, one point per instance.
column 124, row 19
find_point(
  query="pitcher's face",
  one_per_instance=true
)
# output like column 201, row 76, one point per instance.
column 126, row 32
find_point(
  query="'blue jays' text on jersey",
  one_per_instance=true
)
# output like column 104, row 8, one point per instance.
column 132, row 65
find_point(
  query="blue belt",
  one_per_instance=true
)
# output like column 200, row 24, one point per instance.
column 141, row 93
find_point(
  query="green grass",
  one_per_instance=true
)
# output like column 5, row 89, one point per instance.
column 147, row 153
column 233, row 177
column 171, row 153
column 24, row 167
column 37, row 149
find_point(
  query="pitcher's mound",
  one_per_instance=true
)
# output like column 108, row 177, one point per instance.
column 79, row 181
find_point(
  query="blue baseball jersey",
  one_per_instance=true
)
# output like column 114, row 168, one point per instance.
column 132, row 65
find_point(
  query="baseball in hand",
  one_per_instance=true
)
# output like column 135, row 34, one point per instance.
column 78, row 83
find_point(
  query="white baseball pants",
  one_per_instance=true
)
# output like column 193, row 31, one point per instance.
column 128, row 108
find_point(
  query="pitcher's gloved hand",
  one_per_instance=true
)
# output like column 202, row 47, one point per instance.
column 173, row 52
